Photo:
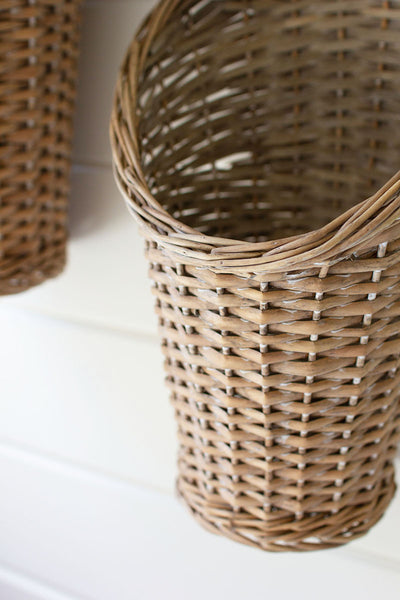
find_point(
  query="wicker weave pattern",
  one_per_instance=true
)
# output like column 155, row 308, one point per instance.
column 38, row 61
column 237, row 127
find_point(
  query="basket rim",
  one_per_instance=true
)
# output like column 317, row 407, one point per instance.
column 366, row 224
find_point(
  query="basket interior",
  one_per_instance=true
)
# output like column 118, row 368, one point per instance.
column 262, row 119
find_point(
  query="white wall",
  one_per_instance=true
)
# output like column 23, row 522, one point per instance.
column 87, row 438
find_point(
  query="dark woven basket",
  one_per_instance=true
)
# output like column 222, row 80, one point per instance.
column 38, row 72
column 246, row 136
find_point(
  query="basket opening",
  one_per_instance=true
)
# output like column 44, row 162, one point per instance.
column 260, row 120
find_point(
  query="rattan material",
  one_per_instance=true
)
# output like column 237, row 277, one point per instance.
column 38, row 61
column 246, row 136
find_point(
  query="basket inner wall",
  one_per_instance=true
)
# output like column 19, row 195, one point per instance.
column 261, row 120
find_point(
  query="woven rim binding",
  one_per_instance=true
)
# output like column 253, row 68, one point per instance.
column 366, row 224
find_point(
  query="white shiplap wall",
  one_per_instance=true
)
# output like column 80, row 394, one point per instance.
column 87, row 438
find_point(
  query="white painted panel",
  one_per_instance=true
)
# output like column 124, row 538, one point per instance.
column 18, row 586
column 92, row 397
column 11, row 593
column 384, row 538
column 108, row 28
column 109, row 542
column 106, row 281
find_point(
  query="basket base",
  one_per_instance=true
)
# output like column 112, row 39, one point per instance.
column 23, row 280
column 284, row 534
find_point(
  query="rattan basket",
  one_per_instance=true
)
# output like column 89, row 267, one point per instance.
column 38, row 61
column 246, row 136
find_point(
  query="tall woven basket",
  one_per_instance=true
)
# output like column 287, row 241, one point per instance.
column 38, row 61
column 255, row 142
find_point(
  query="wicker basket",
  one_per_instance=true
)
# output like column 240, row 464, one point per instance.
column 38, row 61
column 246, row 136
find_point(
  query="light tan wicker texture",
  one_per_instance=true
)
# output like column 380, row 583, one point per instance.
column 246, row 136
column 38, row 59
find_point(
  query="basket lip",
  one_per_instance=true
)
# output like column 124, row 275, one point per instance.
column 368, row 223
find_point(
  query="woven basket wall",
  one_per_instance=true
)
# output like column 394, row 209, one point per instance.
column 38, row 71
column 256, row 144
